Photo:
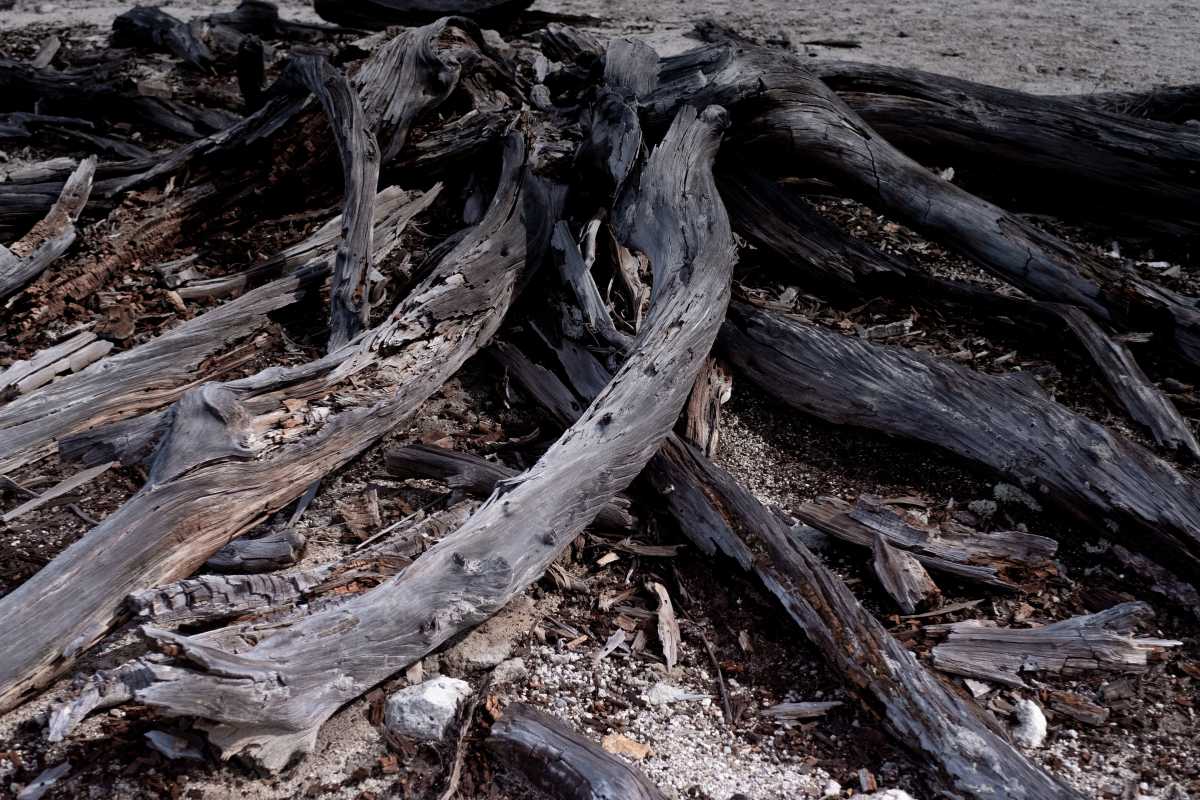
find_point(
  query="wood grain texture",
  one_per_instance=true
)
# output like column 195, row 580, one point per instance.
column 796, row 126
column 1004, row 425
column 1045, row 154
column 218, row 440
column 31, row 255
column 269, row 702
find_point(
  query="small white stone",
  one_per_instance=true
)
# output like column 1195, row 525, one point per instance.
column 425, row 711
column 1030, row 730
column 832, row 789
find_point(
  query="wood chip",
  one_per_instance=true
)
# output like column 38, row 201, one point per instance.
column 622, row 745
column 668, row 627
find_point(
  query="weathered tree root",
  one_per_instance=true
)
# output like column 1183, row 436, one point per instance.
column 270, row 701
column 563, row 763
column 1002, row 424
column 720, row 516
column 217, row 440
column 801, row 128
column 1048, row 153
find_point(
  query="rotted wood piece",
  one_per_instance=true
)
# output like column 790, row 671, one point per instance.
column 208, row 598
column 997, row 558
column 702, row 417
column 904, row 578
column 1100, row 641
column 561, row 762
column 29, row 257
column 1082, row 467
column 474, row 475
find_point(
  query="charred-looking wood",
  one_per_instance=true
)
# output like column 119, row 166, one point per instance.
column 720, row 516
column 996, row 558
column 778, row 221
column 561, row 762
column 99, row 95
column 1004, row 425
column 379, row 14
column 219, row 438
column 268, row 702
column 1038, row 153
column 1102, row 641
column 152, row 28
column 51, row 237
column 783, row 112
column 469, row 473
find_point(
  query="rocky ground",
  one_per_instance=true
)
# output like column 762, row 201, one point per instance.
column 548, row 647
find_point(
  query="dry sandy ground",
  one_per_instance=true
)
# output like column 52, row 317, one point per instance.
column 1036, row 45
column 1044, row 46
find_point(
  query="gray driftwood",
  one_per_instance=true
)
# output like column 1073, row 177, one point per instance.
column 561, row 762
column 1100, row 641
column 796, row 126
column 72, row 355
column 721, row 517
column 276, row 550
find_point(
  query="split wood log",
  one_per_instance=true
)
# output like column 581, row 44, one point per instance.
column 1141, row 501
column 776, row 219
column 50, row 238
column 904, row 578
column 474, row 475
column 380, row 14
column 1148, row 406
column 1045, row 153
column 1100, row 641
column 73, row 355
column 784, row 113
column 561, row 762
column 720, row 516
column 220, row 438
column 154, row 374
column 997, row 558
column 270, row 701
column 276, row 550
